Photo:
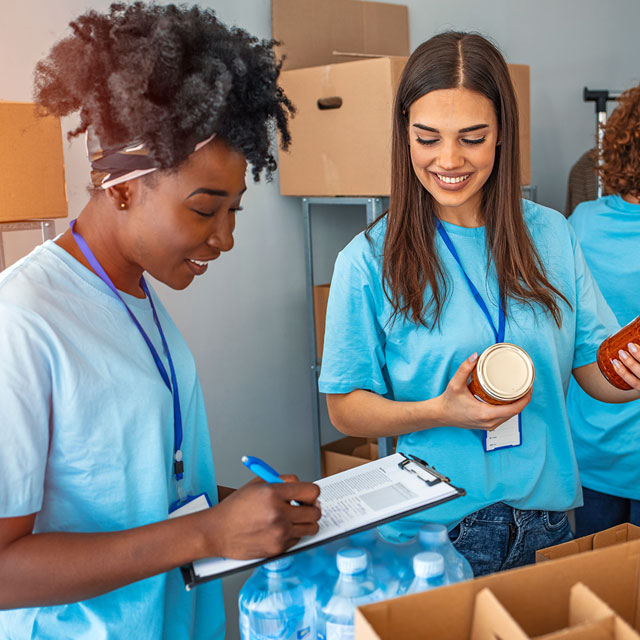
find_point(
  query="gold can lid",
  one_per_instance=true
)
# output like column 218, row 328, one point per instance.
column 505, row 371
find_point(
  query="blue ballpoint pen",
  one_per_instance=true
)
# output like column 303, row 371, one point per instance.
column 261, row 469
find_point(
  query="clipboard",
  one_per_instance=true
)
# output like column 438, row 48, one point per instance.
column 355, row 500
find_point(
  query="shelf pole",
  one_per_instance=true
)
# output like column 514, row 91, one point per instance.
column 313, row 355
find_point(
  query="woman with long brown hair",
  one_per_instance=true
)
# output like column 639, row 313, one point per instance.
column 458, row 263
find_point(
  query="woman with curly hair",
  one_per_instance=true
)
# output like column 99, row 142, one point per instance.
column 458, row 263
column 103, row 428
column 607, row 437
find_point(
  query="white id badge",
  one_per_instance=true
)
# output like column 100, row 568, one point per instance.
column 508, row 434
column 191, row 505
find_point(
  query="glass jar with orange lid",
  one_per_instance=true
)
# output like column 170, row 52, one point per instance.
column 609, row 349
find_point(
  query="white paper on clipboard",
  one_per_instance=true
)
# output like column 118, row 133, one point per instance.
column 365, row 496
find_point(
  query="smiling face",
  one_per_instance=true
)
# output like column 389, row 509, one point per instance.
column 183, row 220
column 452, row 140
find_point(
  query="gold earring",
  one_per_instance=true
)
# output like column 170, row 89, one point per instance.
column 123, row 205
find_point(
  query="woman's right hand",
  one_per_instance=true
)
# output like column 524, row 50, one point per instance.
column 459, row 408
column 258, row 520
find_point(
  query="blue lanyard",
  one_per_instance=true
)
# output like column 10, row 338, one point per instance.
column 172, row 385
column 499, row 333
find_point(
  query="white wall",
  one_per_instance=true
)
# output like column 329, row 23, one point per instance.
column 245, row 320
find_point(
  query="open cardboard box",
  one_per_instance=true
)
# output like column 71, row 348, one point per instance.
column 347, row 453
column 31, row 164
column 536, row 596
column 614, row 535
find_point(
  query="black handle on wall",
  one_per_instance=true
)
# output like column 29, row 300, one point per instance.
column 335, row 102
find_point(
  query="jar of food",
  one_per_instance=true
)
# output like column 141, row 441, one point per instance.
column 608, row 350
column 503, row 374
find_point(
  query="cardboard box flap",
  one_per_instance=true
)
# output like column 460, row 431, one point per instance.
column 616, row 535
column 491, row 620
column 310, row 31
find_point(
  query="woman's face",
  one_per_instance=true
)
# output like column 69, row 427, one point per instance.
column 452, row 140
column 183, row 220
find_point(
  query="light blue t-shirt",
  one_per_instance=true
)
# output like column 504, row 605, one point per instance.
column 87, row 441
column 406, row 362
column 607, row 436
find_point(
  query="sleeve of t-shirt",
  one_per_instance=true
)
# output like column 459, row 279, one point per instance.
column 353, row 352
column 594, row 319
column 25, row 399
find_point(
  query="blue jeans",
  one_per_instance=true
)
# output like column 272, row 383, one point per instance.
column 500, row 537
column 602, row 511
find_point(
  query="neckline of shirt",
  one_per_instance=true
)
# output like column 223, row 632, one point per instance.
column 619, row 203
column 473, row 232
column 93, row 280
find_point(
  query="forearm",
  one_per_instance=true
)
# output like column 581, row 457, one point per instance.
column 363, row 413
column 54, row 568
column 597, row 386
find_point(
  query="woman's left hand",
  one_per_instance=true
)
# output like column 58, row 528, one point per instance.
column 627, row 365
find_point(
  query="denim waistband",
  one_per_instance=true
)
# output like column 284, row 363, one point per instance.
column 501, row 512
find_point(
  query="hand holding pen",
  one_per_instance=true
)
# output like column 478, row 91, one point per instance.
column 258, row 520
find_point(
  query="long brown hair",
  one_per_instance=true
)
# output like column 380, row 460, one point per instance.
column 410, row 263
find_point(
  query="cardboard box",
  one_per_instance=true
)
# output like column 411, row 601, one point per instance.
column 320, row 300
column 614, row 535
column 347, row 453
column 341, row 135
column 317, row 32
column 536, row 596
column 520, row 76
column 31, row 164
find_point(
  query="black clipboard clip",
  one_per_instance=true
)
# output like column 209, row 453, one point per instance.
column 416, row 465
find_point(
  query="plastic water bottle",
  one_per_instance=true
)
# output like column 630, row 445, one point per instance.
column 384, row 564
column 318, row 564
column 434, row 537
column 274, row 603
column 337, row 603
column 428, row 570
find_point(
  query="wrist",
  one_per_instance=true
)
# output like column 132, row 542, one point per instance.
column 432, row 413
column 205, row 536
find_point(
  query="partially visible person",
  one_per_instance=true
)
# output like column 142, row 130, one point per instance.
column 607, row 436
column 103, row 425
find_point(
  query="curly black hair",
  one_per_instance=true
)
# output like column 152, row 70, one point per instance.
column 167, row 76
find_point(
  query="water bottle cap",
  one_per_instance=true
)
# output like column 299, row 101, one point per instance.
column 428, row 564
column 351, row 561
column 432, row 533
column 280, row 564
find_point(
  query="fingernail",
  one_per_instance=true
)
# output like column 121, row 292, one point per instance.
column 622, row 354
column 615, row 363
column 632, row 347
column 473, row 357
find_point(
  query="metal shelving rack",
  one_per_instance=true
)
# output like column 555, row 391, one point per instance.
column 374, row 207
column 46, row 226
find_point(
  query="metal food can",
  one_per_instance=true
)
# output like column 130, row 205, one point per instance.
column 503, row 374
